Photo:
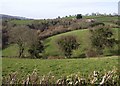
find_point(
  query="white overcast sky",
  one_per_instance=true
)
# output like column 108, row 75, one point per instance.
column 54, row 8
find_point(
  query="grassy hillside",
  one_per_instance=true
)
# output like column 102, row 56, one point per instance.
column 59, row 67
column 82, row 36
column 52, row 49
column 10, row 50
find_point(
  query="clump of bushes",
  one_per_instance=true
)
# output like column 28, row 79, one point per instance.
column 79, row 16
column 36, row 49
column 109, row 78
column 67, row 44
column 96, row 24
column 101, row 38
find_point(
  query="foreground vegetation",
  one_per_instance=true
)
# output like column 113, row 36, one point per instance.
column 95, row 78
column 19, row 69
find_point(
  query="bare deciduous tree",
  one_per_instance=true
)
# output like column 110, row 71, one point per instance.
column 18, row 35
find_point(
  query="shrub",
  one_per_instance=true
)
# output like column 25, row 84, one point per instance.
column 36, row 49
column 102, row 37
column 79, row 16
column 67, row 44
column 96, row 24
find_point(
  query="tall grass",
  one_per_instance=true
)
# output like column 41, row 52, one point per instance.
column 109, row 78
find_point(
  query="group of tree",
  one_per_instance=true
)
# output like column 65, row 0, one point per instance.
column 50, row 27
column 6, row 26
column 24, row 37
column 101, row 37
column 102, row 14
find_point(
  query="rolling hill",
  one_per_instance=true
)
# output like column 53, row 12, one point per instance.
column 53, row 50
column 3, row 16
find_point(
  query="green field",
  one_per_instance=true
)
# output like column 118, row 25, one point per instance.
column 59, row 67
column 99, row 18
column 102, row 18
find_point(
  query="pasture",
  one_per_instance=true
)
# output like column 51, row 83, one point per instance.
column 58, row 67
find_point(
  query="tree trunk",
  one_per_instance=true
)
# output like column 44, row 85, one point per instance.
column 21, row 50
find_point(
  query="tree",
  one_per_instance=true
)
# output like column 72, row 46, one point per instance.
column 102, row 37
column 4, row 38
column 36, row 49
column 18, row 35
column 38, row 25
column 5, row 30
column 67, row 44
column 34, row 44
column 79, row 16
column 58, row 17
column 6, row 27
